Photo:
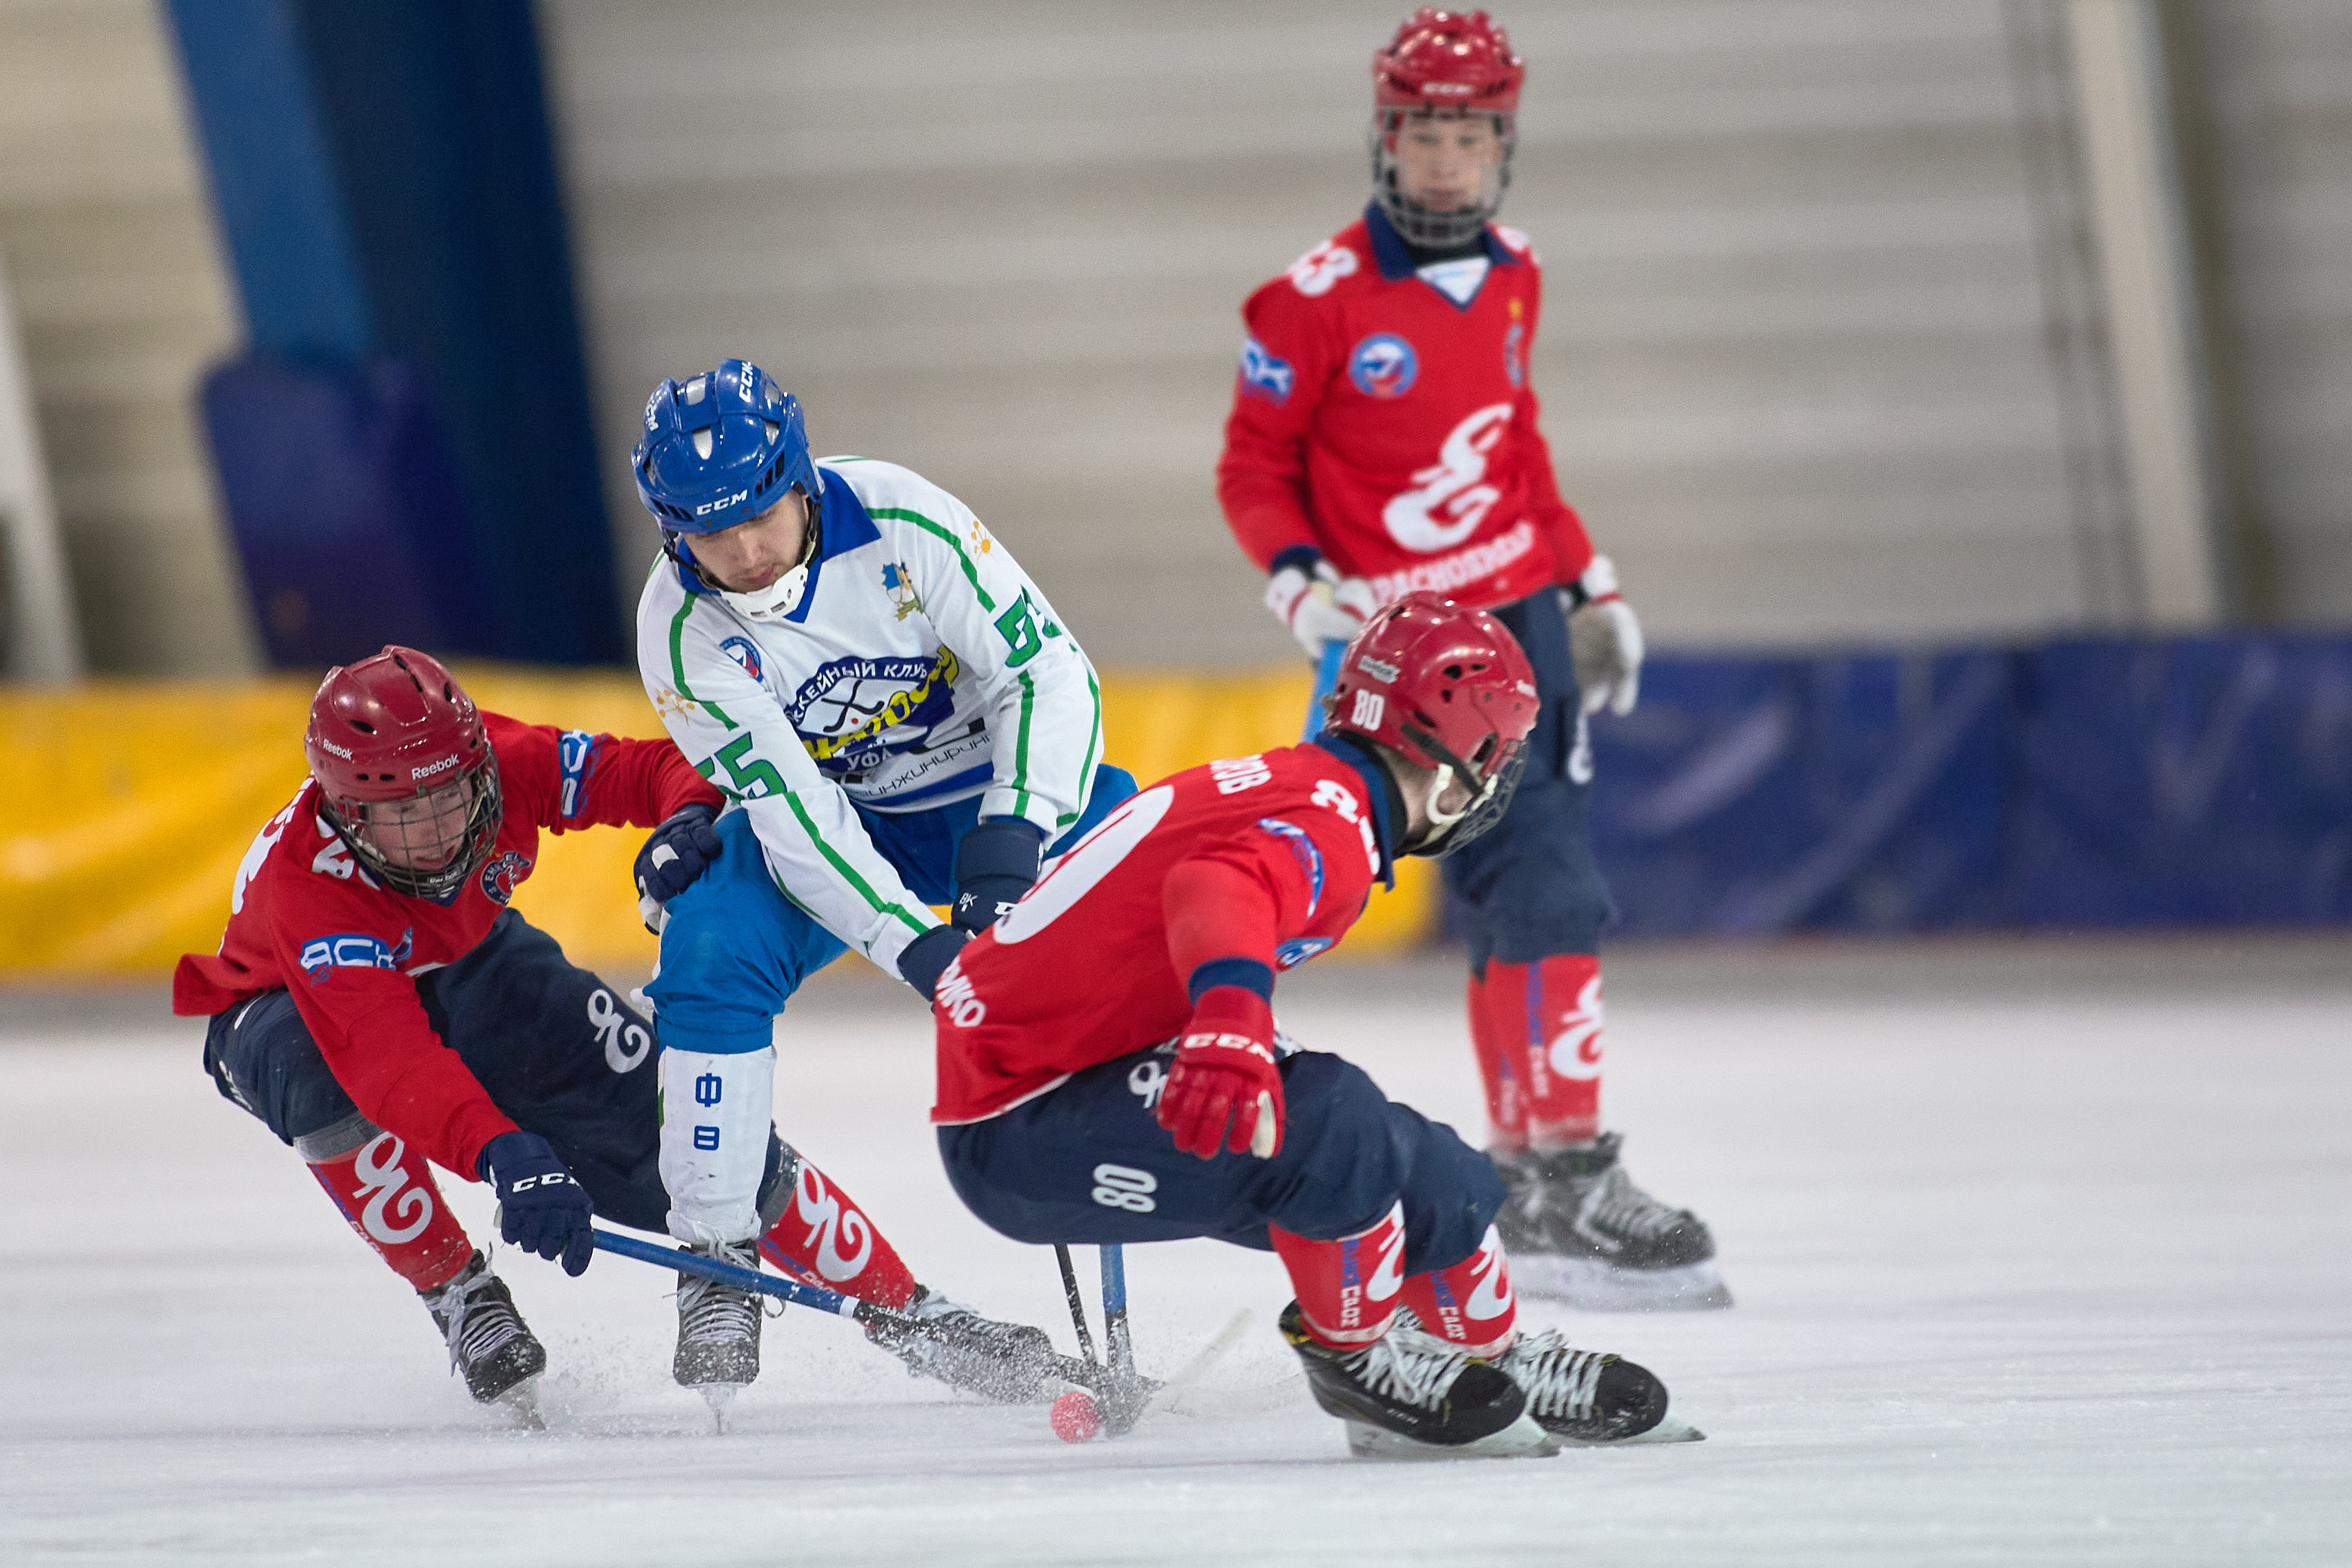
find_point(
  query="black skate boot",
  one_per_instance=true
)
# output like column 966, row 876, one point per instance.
column 1579, row 1230
column 488, row 1341
column 718, row 1331
column 1407, row 1396
column 1585, row 1397
column 1006, row 1362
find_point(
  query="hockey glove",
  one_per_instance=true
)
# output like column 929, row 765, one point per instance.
column 1319, row 606
column 995, row 864
column 1224, row 1091
column 680, row 849
column 924, row 959
column 540, row 1208
column 1604, row 641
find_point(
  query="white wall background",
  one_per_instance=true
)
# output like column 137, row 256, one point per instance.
column 1794, row 360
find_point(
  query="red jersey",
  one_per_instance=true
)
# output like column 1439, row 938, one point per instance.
column 1392, row 430
column 1266, row 858
column 305, row 914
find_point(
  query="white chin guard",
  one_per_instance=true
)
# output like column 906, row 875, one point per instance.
column 775, row 601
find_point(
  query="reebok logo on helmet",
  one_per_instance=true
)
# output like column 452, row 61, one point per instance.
column 429, row 769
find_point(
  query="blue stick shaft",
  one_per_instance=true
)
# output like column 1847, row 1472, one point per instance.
column 687, row 1262
column 1327, row 675
column 1114, row 1279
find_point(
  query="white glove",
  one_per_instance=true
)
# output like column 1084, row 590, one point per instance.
column 1604, row 642
column 1321, row 606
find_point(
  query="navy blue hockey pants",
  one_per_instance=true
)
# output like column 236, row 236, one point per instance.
column 1087, row 1162
column 1531, row 887
column 552, row 1045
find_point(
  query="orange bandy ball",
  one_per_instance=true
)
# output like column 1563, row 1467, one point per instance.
column 1076, row 1419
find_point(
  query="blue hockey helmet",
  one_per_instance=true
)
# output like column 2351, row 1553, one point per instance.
column 720, row 449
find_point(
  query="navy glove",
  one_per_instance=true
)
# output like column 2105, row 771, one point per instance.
column 540, row 1208
column 927, row 957
column 680, row 850
column 995, row 864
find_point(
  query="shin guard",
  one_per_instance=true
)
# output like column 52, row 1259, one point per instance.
column 1346, row 1288
column 386, row 1192
column 1470, row 1305
column 822, row 1239
column 1558, row 1017
column 1497, row 1033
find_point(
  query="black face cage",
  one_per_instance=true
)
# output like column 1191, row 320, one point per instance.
column 1487, row 810
column 1415, row 224
column 482, row 819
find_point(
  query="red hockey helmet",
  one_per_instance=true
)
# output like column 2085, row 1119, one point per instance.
column 1450, row 688
column 1445, row 64
column 405, row 770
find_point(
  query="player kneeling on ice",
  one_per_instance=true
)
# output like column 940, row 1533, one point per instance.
column 845, row 649
column 1109, row 1069
column 377, row 1004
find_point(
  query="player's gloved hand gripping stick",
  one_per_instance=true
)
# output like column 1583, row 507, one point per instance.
column 1224, row 1092
column 675, row 854
column 541, row 1208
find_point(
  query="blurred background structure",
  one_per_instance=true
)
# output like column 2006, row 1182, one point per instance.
column 1963, row 387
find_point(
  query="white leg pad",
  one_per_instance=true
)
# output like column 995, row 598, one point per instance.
column 716, row 1113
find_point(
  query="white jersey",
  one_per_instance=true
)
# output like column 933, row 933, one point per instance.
column 921, row 666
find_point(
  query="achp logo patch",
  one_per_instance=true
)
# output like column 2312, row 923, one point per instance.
column 743, row 652
column 1384, row 365
column 499, row 876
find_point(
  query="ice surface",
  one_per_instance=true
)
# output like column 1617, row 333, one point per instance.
column 2060, row 1278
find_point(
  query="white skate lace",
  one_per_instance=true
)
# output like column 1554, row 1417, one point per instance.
column 1557, row 1379
column 709, row 1310
column 1409, row 1368
column 1616, row 1206
column 476, row 1330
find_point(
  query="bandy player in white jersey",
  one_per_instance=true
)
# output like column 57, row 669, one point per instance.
column 1384, row 439
column 899, row 719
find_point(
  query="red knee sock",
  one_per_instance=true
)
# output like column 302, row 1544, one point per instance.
column 386, row 1190
column 1469, row 1305
column 1552, row 1008
column 1348, row 1289
column 1497, row 1037
column 822, row 1239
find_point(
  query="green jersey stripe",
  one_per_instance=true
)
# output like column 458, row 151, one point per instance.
column 677, row 663
column 848, row 872
column 963, row 556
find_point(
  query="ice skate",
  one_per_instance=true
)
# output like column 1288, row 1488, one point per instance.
column 488, row 1341
column 1006, row 1362
column 1408, row 1396
column 1579, row 1231
column 718, row 1331
column 1587, row 1397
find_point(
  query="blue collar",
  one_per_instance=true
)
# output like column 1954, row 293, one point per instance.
column 1395, row 262
column 1380, row 787
column 842, row 526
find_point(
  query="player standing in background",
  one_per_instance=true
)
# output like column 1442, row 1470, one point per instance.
column 377, row 1004
column 1383, row 439
column 1109, row 1070
column 900, row 719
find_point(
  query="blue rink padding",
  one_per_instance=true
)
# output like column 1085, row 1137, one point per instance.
column 2088, row 783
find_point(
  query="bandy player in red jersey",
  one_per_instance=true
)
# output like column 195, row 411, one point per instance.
column 378, row 1006
column 1109, row 1070
column 1383, row 438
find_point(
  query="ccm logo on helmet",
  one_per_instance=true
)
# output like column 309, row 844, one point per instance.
column 711, row 506
column 429, row 769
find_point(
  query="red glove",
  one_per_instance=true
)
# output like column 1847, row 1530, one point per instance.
column 1225, row 1074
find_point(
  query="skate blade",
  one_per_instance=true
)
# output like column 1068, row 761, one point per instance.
column 522, row 1402
column 1522, row 1439
column 1673, row 1429
column 1597, row 1287
column 720, row 1397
